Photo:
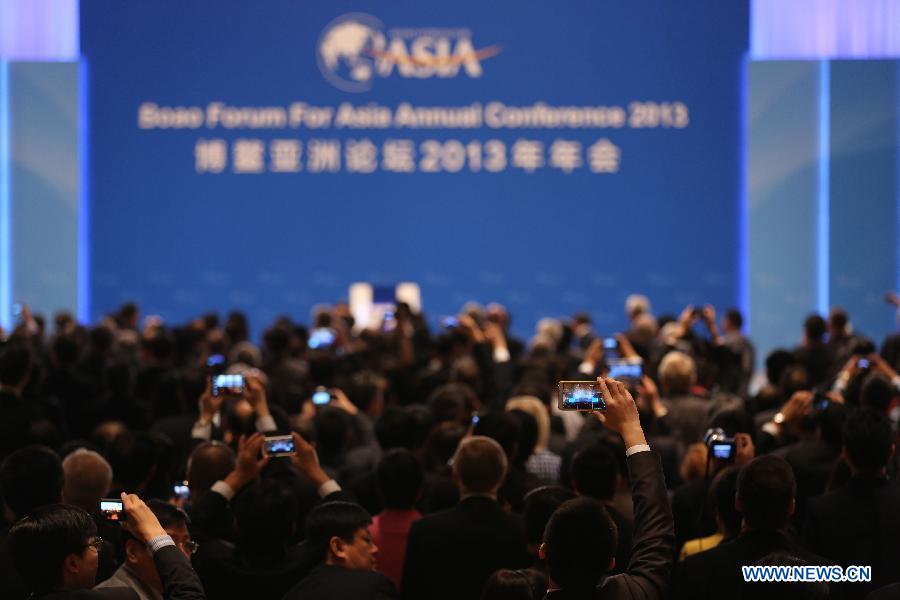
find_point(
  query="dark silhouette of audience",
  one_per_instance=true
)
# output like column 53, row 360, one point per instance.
column 479, row 485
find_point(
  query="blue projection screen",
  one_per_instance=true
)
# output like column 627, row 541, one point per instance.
column 553, row 157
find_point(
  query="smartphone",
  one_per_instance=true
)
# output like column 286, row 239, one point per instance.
column 279, row 445
column 17, row 310
column 322, row 338
column 580, row 395
column 610, row 343
column 475, row 419
column 215, row 364
column 863, row 363
column 227, row 385
column 723, row 450
column 449, row 323
column 112, row 509
column 626, row 370
column 820, row 401
column 321, row 396
column 181, row 490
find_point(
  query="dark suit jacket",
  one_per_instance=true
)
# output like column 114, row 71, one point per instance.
column 327, row 582
column 252, row 575
column 451, row 554
column 653, row 547
column 858, row 524
column 716, row 573
column 178, row 579
column 16, row 416
column 891, row 592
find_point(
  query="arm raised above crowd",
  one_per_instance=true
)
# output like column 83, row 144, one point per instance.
column 653, row 545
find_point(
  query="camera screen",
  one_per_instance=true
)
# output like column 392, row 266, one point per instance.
column 111, row 509
column 280, row 445
column 320, row 338
column 321, row 397
column 449, row 322
column 581, row 396
column 723, row 451
column 230, row 384
column 863, row 363
column 181, row 490
column 624, row 370
column 610, row 343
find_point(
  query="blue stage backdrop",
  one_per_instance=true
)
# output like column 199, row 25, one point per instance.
column 549, row 156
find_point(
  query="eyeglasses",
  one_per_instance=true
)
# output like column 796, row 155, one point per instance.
column 190, row 547
column 96, row 543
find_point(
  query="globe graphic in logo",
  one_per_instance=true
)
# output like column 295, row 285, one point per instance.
column 347, row 51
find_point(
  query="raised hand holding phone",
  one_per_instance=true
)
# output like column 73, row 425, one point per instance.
column 141, row 521
column 621, row 412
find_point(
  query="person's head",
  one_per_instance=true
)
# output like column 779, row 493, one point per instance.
column 722, row 493
column 765, row 493
column 400, row 479
column 579, row 544
column 452, row 402
column 534, row 407
column 776, row 362
column 88, row 478
column 396, row 428
column 507, row 584
column 137, row 556
column 30, row 477
column 502, row 427
column 838, row 323
column 266, row 517
column 868, row 442
column 814, row 329
column 15, row 366
column 52, row 548
column 366, row 391
column 528, row 435
column 733, row 320
column 207, row 464
column 442, row 442
column 128, row 316
column 332, row 430
column 595, row 472
column 65, row 350
column 540, row 504
column 877, row 392
column 338, row 533
column 132, row 456
column 677, row 374
column 479, row 466
column 636, row 304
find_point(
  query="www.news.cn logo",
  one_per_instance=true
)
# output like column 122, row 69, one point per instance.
column 806, row 573
column 354, row 49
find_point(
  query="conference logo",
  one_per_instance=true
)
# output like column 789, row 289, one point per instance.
column 356, row 49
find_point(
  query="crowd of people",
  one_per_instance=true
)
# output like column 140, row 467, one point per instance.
column 420, row 464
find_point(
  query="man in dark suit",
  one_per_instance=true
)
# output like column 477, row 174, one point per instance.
column 338, row 534
column 55, row 550
column 451, row 554
column 29, row 477
column 766, row 492
column 16, row 415
column 580, row 539
column 858, row 523
column 139, row 572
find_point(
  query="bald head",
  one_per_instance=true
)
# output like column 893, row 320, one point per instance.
column 479, row 465
column 208, row 463
column 87, row 478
